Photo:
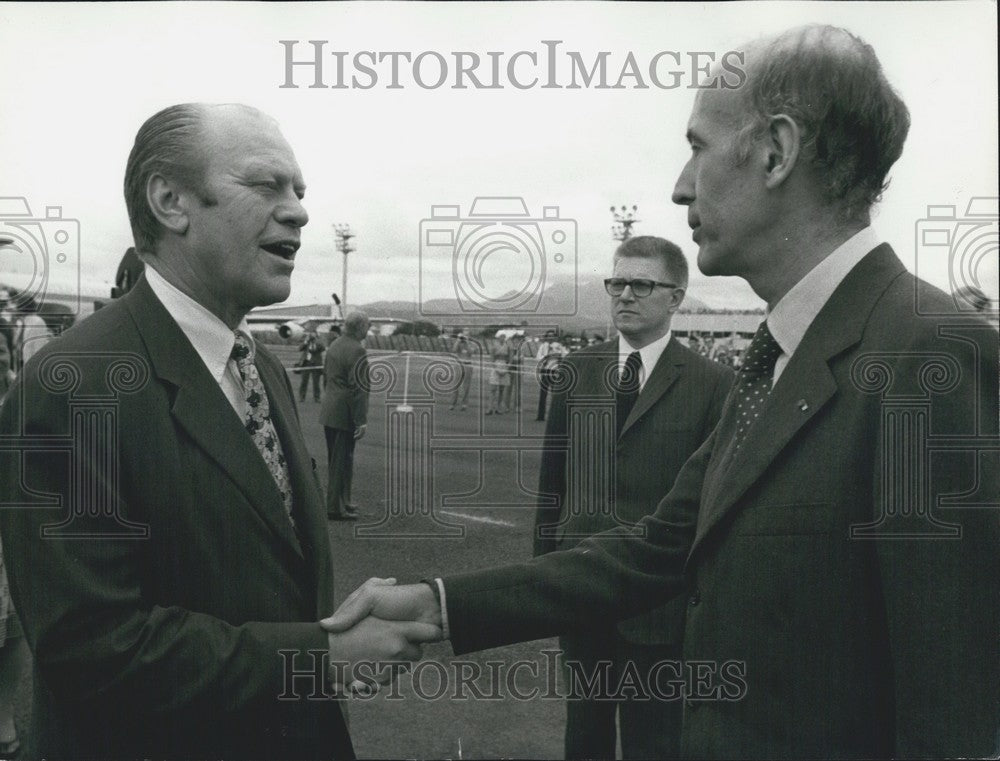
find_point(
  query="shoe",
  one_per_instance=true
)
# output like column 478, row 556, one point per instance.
column 539, row 419
column 344, row 516
column 489, row 412
column 452, row 407
column 463, row 408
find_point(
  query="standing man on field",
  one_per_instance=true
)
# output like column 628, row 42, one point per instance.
column 665, row 400
column 344, row 414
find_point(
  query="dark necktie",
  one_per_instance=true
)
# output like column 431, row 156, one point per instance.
column 627, row 389
column 258, row 420
column 753, row 381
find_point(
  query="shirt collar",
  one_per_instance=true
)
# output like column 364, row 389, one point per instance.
column 211, row 337
column 649, row 354
column 795, row 312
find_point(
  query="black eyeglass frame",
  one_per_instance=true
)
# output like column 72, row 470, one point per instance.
column 645, row 286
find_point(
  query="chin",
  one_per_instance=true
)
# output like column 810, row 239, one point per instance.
column 712, row 263
column 274, row 293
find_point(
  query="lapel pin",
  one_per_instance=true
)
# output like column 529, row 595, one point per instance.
column 803, row 405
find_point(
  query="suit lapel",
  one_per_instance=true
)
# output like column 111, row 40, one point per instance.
column 203, row 411
column 805, row 387
column 664, row 374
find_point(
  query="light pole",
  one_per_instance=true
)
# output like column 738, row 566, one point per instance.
column 343, row 234
column 622, row 228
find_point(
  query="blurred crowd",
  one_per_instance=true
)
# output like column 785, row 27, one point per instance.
column 23, row 331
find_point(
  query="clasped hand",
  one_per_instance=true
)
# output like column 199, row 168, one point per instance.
column 379, row 630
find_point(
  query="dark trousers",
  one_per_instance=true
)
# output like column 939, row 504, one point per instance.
column 340, row 468
column 545, row 378
column 316, row 375
column 461, row 394
column 650, row 729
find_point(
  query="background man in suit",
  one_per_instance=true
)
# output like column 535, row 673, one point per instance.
column 838, row 531
column 550, row 354
column 344, row 413
column 312, row 350
column 667, row 402
column 173, row 574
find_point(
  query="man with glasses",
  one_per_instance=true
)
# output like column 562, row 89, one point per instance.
column 661, row 400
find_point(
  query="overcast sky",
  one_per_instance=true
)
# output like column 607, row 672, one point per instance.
column 80, row 78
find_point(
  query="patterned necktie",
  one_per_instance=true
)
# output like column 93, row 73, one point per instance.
column 258, row 420
column 753, row 382
column 627, row 389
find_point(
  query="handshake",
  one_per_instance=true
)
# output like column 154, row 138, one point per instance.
column 379, row 630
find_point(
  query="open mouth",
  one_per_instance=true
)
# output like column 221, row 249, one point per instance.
column 285, row 249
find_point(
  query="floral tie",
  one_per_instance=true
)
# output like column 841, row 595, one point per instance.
column 258, row 420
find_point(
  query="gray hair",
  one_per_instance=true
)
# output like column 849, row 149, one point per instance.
column 830, row 82
column 171, row 143
column 652, row 247
column 356, row 324
column 168, row 144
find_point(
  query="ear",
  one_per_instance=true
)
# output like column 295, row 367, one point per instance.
column 167, row 203
column 677, row 298
column 784, row 145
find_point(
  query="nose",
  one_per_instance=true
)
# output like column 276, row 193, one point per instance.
column 627, row 294
column 684, row 187
column 291, row 212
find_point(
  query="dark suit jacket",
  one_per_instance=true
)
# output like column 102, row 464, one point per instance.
column 861, row 645
column 164, row 644
column 676, row 411
column 345, row 405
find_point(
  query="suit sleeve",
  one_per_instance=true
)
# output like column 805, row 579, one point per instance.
column 941, row 596
column 95, row 637
column 552, row 478
column 607, row 577
column 358, row 384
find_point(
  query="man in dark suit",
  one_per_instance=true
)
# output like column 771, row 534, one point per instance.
column 163, row 528
column 664, row 400
column 344, row 413
column 838, row 531
column 312, row 350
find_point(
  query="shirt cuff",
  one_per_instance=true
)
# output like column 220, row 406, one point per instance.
column 445, row 630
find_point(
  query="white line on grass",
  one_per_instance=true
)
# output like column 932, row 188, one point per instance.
column 480, row 518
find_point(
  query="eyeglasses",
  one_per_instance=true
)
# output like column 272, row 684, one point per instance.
column 641, row 288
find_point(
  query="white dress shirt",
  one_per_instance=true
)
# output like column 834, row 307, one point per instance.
column 649, row 355
column 795, row 312
column 211, row 337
